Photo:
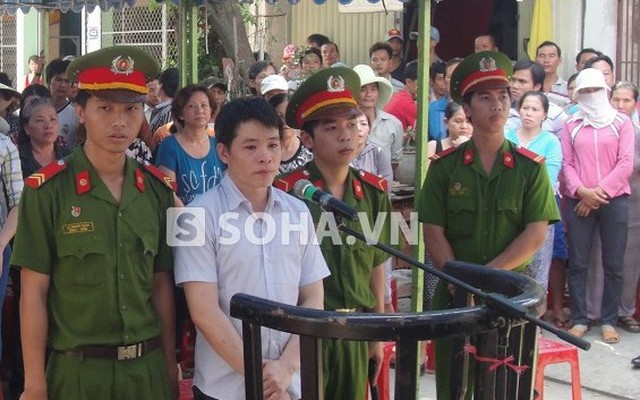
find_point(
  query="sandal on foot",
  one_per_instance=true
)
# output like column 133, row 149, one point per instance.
column 561, row 323
column 578, row 330
column 609, row 334
column 629, row 324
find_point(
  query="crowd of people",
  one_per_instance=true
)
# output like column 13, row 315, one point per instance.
column 520, row 145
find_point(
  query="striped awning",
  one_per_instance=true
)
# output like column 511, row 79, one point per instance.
column 11, row 6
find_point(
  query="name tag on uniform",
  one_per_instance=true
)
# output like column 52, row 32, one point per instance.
column 77, row 227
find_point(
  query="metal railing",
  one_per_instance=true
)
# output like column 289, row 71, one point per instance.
column 494, row 331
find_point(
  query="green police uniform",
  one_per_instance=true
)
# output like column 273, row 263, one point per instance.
column 481, row 213
column 351, row 263
column 101, row 257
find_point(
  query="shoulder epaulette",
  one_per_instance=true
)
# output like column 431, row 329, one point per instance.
column 159, row 175
column 37, row 179
column 443, row 153
column 287, row 181
column 530, row 155
column 374, row 180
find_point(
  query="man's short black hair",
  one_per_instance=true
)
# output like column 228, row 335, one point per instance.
column 437, row 68
column 411, row 70
column 381, row 46
column 55, row 67
column 549, row 43
column 318, row 38
column 537, row 71
column 169, row 80
column 602, row 57
column 243, row 110
column 587, row 50
column 258, row 67
column 5, row 80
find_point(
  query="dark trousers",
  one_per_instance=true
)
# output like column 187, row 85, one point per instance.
column 611, row 222
column 198, row 395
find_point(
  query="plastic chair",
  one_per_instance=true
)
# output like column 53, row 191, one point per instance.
column 384, row 384
column 554, row 352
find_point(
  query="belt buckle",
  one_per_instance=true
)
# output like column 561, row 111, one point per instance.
column 129, row 352
column 345, row 310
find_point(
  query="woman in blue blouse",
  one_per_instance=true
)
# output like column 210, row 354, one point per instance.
column 533, row 108
column 189, row 155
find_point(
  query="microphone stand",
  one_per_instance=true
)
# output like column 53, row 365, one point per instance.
column 493, row 300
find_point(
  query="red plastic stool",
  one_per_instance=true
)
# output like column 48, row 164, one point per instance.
column 554, row 352
column 185, row 389
column 389, row 349
column 431, row 357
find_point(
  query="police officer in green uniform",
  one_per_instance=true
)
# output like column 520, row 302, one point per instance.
column 324, row 108
column 91, row 248
column 487, row 201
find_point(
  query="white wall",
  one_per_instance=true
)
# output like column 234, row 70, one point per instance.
column 28, row 40
column 567, row 30
column 600, row 21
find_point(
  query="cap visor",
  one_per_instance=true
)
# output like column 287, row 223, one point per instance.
column 119, row 95
column 490, row 84
column 344, row 110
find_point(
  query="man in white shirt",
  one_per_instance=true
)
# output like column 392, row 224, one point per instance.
column 549, row 55
column 259, row 241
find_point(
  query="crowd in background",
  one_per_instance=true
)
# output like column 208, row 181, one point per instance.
column 585, row 127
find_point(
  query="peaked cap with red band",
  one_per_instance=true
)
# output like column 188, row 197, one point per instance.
column 331, row 88
column 117, row 73
column 483, row 70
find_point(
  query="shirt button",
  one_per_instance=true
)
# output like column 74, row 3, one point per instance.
column 122, row 276
column 123, row 307
column 126, row 337
column 120, row 244
column 119, row 213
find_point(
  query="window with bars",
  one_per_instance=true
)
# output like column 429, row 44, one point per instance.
column 148, row 25
column 8, row 46
column 628, row 57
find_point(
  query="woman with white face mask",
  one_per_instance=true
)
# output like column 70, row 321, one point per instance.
column 597, row 147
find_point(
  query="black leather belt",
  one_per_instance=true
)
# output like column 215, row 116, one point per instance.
column 118, row 353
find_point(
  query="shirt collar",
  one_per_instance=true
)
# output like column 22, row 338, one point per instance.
column 236, row 199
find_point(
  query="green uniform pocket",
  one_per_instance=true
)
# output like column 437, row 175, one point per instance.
column 83, row 256
column 460, row 216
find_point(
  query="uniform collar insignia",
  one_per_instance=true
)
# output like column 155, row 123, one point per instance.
column 357, row 189
column 83, row 184
column 140, row 180
column 507, row 159
column 469, row 156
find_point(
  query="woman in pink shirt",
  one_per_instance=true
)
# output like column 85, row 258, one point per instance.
column 597, row 147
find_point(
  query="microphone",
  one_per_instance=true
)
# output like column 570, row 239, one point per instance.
column 305, row 190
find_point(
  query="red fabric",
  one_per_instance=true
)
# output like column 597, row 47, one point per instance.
column 105, row 75
column 403, row 107
column 449, row 16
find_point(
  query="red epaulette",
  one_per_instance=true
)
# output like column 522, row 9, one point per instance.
column 374, row 180
column 287, row 181
column 443, row 153
column 37, row 179
column 530, row 155
column 159, row 175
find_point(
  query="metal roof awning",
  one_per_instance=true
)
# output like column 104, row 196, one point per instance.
column 11, row 6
